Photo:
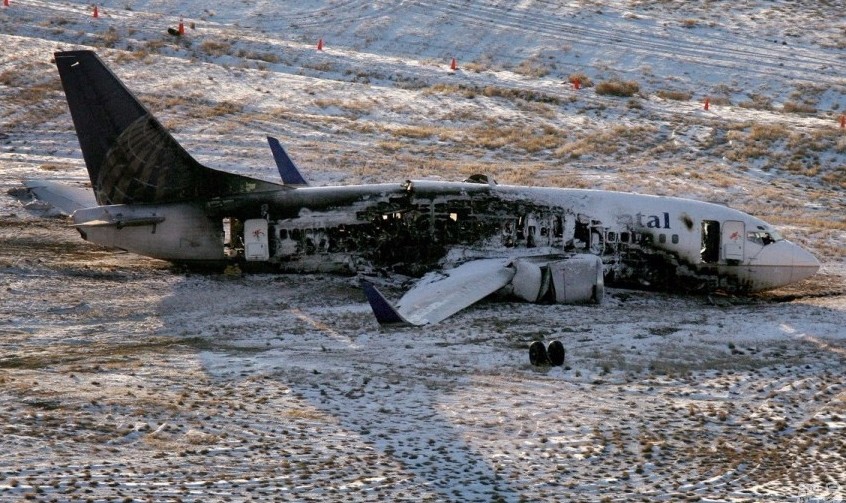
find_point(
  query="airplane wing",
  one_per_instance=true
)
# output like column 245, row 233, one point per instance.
column 287, row 169
column 441, row 294
column 64, row 198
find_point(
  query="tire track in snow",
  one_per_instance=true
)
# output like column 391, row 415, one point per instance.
column 698, row 50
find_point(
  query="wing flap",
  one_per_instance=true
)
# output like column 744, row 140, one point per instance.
column 441, row 295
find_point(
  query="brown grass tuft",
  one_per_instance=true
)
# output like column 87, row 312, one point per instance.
column 667, row 94
column 215, row 48
column 617, row 87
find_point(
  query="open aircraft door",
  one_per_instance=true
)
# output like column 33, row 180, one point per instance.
column 734, row 237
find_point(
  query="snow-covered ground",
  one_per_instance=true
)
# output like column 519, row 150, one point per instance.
column 122, row 378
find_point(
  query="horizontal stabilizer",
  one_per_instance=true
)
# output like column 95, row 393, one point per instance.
column 63, row 197
column 287, row 169
column 385, row 313
column 440, row 295
column 120, row 223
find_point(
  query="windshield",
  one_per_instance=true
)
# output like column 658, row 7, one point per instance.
column 764, row 237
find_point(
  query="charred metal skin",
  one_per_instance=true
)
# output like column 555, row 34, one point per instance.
column 644, row 241
column 544, row 244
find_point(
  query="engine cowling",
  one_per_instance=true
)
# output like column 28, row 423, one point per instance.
column 574, row 280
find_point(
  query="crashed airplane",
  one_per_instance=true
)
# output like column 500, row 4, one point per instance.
column 467, row 239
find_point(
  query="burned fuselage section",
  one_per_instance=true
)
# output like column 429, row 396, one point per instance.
column 411, row 228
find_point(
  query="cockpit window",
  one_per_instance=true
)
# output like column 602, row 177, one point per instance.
column 763, row 237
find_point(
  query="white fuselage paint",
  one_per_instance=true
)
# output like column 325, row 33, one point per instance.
column 648, row 241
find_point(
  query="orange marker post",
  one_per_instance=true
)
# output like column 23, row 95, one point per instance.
column 843, row 121
column 5, row 3
column 453, row 65
column 320, row 45
column 707, row 103
column 96, row 13
column 577, row 84
column 181, row 27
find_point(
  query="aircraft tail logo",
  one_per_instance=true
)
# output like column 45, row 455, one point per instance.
column 130, row 156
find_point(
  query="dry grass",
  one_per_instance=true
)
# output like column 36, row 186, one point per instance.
column 667, row 94
column 352, row 108
column 768, row 132
column 123, row 57
column 618, row 139
column 267, row 57
column 757, row 102
column 533, row 67
column 216, row 48
column 422, row 132
column 798, row 108
column 109, row 38
column 482, row 64
column 324, row 66
column 531, row 140
column 617, row 87
column 509, row 93
column 722, row 101
column 581, row 77
column 220, row 109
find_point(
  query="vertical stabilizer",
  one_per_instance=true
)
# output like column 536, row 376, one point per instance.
column 287, row 169
column 130, row 156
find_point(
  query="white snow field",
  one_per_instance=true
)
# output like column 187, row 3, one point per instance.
column 127, row 379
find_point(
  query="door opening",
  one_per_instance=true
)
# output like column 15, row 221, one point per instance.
column 710, row 241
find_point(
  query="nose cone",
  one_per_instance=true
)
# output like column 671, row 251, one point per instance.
column 805, row 265
column 781, row 263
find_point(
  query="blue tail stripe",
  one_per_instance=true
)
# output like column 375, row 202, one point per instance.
column 287, row 170
column 385, row 313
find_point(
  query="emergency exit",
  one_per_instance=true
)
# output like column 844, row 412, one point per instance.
column 255, row 240
column 734, row 238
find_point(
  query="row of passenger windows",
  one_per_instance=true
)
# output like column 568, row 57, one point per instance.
column 634, row 237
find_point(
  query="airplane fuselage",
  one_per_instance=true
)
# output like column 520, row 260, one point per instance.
column 413, row 227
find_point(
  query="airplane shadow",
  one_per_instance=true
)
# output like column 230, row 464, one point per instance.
column 391, row 398
column 430, row 413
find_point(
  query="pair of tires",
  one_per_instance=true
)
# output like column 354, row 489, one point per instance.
column 547, row 355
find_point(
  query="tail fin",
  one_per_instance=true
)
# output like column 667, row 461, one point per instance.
column 287, row 169
column 130, row 156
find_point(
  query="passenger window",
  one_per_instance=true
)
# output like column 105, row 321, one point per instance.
column 675, row 239
column 612, row 237
column 283, row 233
column 662, row 238
column 624, row 237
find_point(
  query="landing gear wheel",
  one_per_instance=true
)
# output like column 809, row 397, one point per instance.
column 555, row 353
column 537, row 354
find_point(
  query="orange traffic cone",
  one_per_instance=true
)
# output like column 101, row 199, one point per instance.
column 577, row 84
column 181, row 27
column 320, row 45
column 454, row 65
column 96, row 12
column 5, row 3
